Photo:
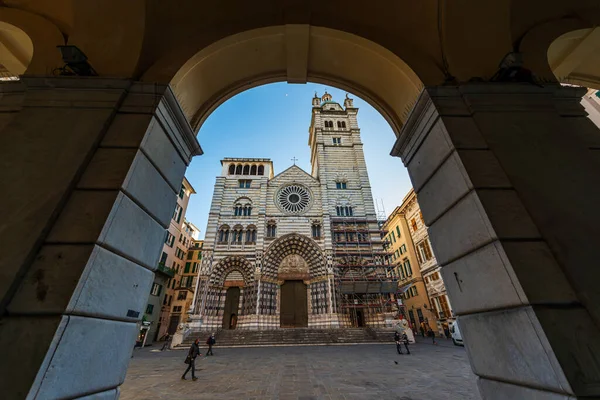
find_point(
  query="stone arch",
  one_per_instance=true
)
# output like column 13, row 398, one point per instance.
column 243, row 200
column 16, row 49
column 229, row 264
column 574, row 56
column 264, row 49
column 294, row 243
column 29, row 42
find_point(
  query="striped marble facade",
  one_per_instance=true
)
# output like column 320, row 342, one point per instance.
column 256, row 241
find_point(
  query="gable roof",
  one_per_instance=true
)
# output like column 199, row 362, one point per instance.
column 290, row 169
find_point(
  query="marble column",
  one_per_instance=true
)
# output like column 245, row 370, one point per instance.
column 508, row 180
column 90, row 172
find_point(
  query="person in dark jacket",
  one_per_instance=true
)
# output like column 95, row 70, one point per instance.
column 192, row 354
column 431, row 334
column 397, row 340
column 210, row 342
column 405, row 341
column 167, row 344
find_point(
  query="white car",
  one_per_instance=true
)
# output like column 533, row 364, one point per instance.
column 456, row 336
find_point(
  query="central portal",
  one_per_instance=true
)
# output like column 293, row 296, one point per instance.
column 294, row 306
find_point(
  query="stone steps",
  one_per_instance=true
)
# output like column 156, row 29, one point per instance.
column 297, row 336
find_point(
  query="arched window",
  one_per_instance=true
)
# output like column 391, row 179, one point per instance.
column 238, row 235
column 316, row 231
column 339, row 124
column 246, row 169
column 253, row 170
column 223, row 236
column 251, row 234
column 343, row 124
column 271, row 229
column 261, row 169
column 344, row 211
column 242, row 207
column 237, row 210
column 231, row 169
column 238, row 169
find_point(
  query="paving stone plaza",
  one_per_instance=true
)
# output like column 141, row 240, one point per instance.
column 310, row 372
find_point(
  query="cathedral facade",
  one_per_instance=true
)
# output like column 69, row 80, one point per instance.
column 296, row 249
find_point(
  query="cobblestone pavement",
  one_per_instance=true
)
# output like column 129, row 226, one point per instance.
column 305, row 372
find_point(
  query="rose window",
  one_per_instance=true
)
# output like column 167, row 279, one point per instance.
column 293, row 199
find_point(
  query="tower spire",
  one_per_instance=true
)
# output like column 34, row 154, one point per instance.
column 316, row 102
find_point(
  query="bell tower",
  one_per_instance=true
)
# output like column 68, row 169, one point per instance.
column 337, row 158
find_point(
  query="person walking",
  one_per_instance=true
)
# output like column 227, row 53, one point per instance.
column 405, row 340
column 210, row 342
column 167, row 344
column 422, row 329
column 430, row 333
column 191, row 359
column 446, row 330
column 397, row 340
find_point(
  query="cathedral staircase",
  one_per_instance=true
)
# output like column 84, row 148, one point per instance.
column 294, row 337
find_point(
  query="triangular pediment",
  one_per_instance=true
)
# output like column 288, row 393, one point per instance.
column 293, row 174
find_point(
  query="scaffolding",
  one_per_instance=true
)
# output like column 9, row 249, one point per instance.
column 364, row 278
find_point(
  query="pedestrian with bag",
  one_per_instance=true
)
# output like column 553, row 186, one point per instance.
column 210, row 342
column 191, row 359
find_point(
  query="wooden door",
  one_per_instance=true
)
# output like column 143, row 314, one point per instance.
column 232, row 302
column 294, row 305
column 360, row 318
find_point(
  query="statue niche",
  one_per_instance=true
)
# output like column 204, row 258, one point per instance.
column 293, row 267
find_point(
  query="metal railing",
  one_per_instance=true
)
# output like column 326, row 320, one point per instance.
column 165, row 270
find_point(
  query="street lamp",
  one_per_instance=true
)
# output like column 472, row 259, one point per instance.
column 75, row 62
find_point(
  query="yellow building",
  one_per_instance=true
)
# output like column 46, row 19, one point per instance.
column 428, row 265
column 412, row 297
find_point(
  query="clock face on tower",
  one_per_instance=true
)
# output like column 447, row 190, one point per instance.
column 293, row 199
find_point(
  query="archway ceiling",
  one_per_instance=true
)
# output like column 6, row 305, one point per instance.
column 153, row 40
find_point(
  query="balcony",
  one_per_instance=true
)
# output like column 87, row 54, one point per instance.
column 165, row 270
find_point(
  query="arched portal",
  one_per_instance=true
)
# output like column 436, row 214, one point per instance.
column 297, row 281
column 230, row 296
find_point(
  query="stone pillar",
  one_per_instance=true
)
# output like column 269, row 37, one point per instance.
column 508, row 179
column 91, row 168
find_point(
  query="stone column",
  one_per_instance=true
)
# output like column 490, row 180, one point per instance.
column 508, row 179
column 90, row 173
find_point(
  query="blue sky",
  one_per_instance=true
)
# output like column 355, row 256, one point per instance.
column 272, row 121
